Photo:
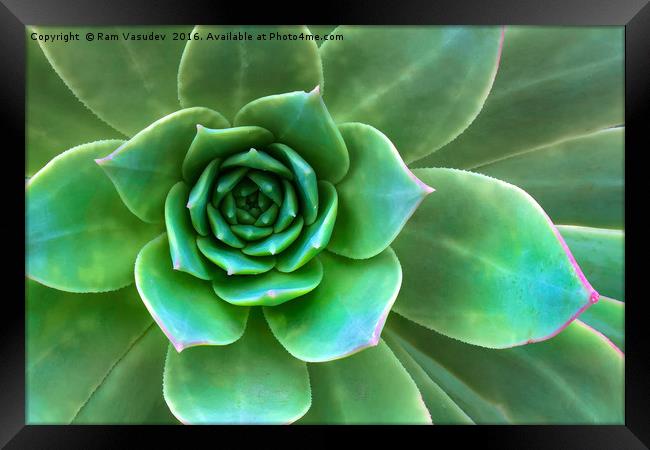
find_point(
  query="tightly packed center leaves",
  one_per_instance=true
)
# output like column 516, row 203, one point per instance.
column 258, row 212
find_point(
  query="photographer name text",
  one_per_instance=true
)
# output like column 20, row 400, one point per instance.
column 176, row 36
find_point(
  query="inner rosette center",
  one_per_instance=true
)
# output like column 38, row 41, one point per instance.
column 252, row 220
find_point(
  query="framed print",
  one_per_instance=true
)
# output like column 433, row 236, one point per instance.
column 417, row 221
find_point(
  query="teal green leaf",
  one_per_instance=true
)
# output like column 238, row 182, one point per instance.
column 221, row 228
column 74, row 374
column 554, row 83
column 48, row 131
column 442, row 408
column 305, row 181
column 253, row 381
column 270, row 288
column 228, row 208
column 184, row 254
column 579, row 181
column 344, row 314
column 80, row 236
column 574, row 378
column 368, row 388
column 233, row 261
column 226, row 75
column 128, row 83
column 600, row 253
column 269, row 185
column 607, row 317
column 146, row 167
column 260, row 160
column 421, row 86
column 268, row 217
column 289, row 209
column 497, row 271
column 185, row 307
column 199, row 197
column 209, row 144
column 315, row 237
column 376, row 197
column 277, row 242
column 227, row 181
column 301, row 121
column 251, row 232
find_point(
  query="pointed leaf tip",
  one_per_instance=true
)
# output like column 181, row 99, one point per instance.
column 503, row 274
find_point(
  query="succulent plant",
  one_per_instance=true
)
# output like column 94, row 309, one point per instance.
column 358, row 229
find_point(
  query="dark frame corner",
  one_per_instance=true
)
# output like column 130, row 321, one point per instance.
column 633, row 14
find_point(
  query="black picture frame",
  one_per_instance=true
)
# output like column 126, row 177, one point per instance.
column 634, row 15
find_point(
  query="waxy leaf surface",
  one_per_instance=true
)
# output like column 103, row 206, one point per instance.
column 210, row 144
column 80, row 236
column 128, row 83
column 48, row 131
column 301, row 121
column 442, row 408
column 344, row 314
column 553, row 83
column 74, row 374
column 607, row 317
column 601, row 254
column 270, row 288
column 253, row 381
column 225, row 75
column 184, row 253
column 421, row 86
column 376, row 197
column 497, row 271
column 578, row 181
column 368, row 388
column 185, row 307
column 146, row 167
column 576, row 377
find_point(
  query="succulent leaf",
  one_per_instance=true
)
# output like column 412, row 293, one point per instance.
column 255, row 159
column 579, row 369
column 579, row 181
column 422, row 86
column 209, row 144
column 378, row 194
column 254, row 70
column 186, row 308
column 344, row 314
column 185, row 255
column 301, row 121
column 315, row 237
column 607, row 317
column 503, row 276
column 253, row 381
column 268, row 289
column 80, row 236
column 370, row 387
column 129, row 83
column 553, row 83
column 48, row 131
column 75, row 375
column 277, row 242
column 233, row 261
column 200, row 196
column 146, row 167
column 443, row 410
column 306, row 182
column 600, row 253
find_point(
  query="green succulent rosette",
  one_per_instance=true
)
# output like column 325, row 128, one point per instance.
column 228, row 244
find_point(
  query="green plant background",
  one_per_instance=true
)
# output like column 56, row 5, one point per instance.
column 548, row 119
